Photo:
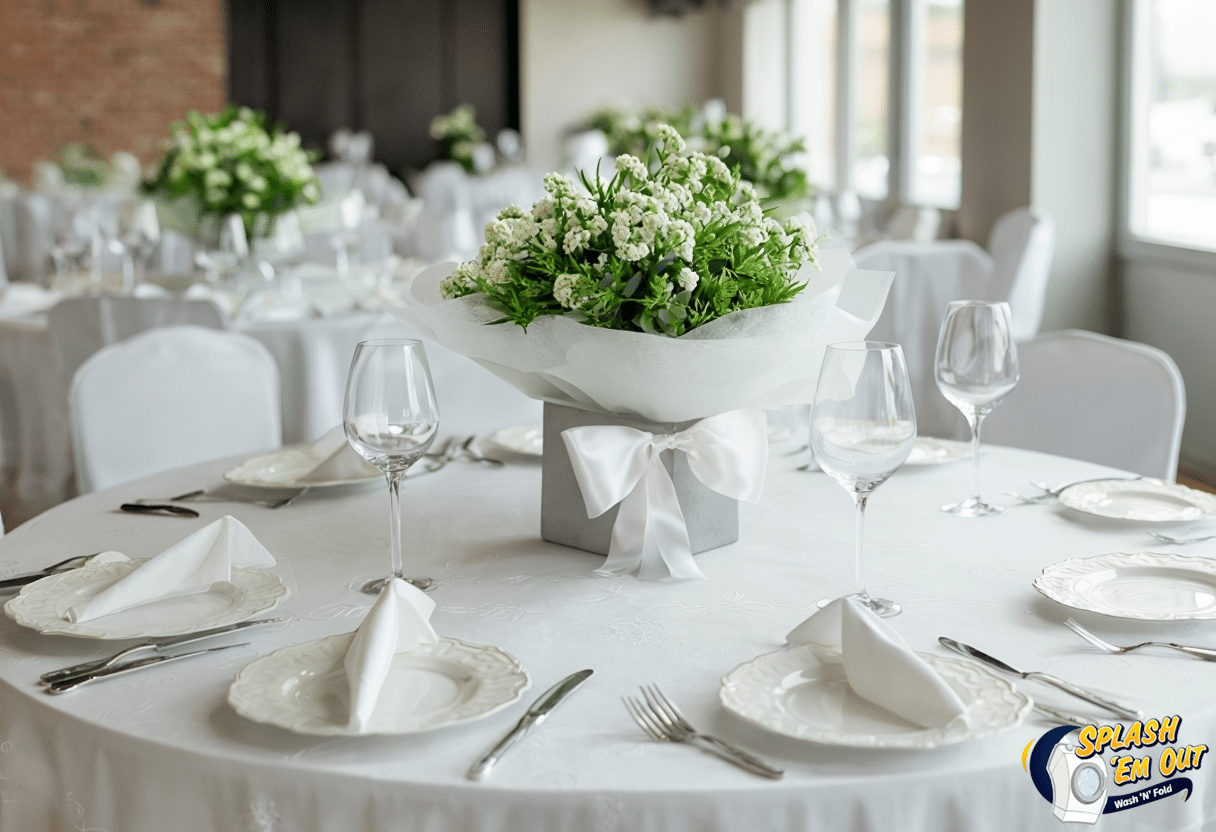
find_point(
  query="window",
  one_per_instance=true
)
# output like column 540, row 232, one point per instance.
column 876, row 90
column 1171, row 195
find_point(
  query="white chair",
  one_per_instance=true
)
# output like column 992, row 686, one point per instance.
column 81, row 326
column 927, row 277
column 1097, row 398
column 170, row 397
column 1022, row 243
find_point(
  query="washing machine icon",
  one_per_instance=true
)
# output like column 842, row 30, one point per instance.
column 1078, row 786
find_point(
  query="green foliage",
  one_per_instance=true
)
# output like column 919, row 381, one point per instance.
column 661, row 252
column 232, row 164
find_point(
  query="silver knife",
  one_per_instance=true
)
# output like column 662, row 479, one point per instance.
column 534, row 716
column 1079, row 692
column 139, row 664
column 65, row 673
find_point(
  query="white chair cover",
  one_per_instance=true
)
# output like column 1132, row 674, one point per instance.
column 1096, row 398
column 83, row 325
column 170, row 397
column 928, row 276
column 1021, row 244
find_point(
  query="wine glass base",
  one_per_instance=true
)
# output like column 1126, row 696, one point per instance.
column 971, row 507
column 879, row 606
column 375, row 585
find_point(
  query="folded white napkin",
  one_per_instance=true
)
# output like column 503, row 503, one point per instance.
column 879, row 666
column 339, row 461
column 398, row 622
column 188, row 566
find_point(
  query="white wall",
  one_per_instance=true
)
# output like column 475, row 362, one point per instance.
column 579, row 55
column 1075, row 156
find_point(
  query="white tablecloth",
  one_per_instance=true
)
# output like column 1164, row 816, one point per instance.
column 163, row 750
column 313, row 356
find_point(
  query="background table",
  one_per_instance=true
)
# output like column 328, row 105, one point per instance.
column 313, row 355
column 163, row 749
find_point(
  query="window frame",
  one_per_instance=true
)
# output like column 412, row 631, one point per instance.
column 1135, row 29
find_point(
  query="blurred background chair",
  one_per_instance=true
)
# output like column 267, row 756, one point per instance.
column 170, row 397
column 81, row 326
column 1097, row 398
column 1022, row 244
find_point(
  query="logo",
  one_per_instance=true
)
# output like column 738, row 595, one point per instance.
column 1067, row 767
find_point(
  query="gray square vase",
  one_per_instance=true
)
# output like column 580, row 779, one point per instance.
column 712, row 518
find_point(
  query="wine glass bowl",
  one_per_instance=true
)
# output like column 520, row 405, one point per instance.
column 863, row 426
column 390, row 418
column 976, row 367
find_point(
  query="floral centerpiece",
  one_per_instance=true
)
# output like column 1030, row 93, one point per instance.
column 766, row 158
column 459, row 135
column 664, row 306
column 231, row 163
column 661, row 253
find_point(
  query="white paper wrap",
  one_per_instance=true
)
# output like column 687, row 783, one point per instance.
column 756, row 358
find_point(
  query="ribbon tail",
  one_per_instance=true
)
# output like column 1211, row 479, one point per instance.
column 651, row 516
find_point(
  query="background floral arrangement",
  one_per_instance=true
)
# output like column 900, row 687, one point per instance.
column 660, row 252
column 765, row 158
column 458, row 134
column 230, row 163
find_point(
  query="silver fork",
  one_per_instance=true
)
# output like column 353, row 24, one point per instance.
column 660, row 720
column 1198, row 652
column 1179, row 541
column 200, row 494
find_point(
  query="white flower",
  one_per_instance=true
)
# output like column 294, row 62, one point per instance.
column 687, row 279
column 563, row 289
column 251, row 201
column 633, row 166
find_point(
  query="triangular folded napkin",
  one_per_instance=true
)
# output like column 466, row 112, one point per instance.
column 398, row 622
column 339, row 461
column 191, row 565
column 879, row 666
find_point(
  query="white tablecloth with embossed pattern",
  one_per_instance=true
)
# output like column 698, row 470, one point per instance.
column 163, row 750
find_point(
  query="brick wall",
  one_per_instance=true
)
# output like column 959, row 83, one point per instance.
column 111, row 73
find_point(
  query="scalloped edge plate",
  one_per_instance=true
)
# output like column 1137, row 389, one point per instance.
column 39, row 605
column 303, row 688
column 1144, row 499
column 763, row 692
column 1079, row 583
column 520, row 440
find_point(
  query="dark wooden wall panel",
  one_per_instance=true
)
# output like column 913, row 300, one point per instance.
column 402, row 77
column 387, row 66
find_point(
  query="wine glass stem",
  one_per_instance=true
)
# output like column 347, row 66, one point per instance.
column 976, row 421
column 859, row 577
column 394, row 521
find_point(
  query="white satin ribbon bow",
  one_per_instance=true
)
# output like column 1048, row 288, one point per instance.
column 615, row 464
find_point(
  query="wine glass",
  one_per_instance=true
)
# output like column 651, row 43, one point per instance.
column 391, row 418
column 863, row 426
column 976, row 368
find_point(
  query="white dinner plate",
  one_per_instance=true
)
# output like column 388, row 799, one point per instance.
column 929, row 450
column 1147, row 586
column 1139, row 499
column 524, row 440
column 284, row 468
column 41, row 605
column 802, row 693
column 303, row 688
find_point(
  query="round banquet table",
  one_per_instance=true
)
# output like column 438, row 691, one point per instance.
column 162, row 749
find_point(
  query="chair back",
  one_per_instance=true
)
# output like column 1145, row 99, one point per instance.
column 81, row 326
column 928, row 276
column 1097, row 398
column 1022, row 244
column 170, row 397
